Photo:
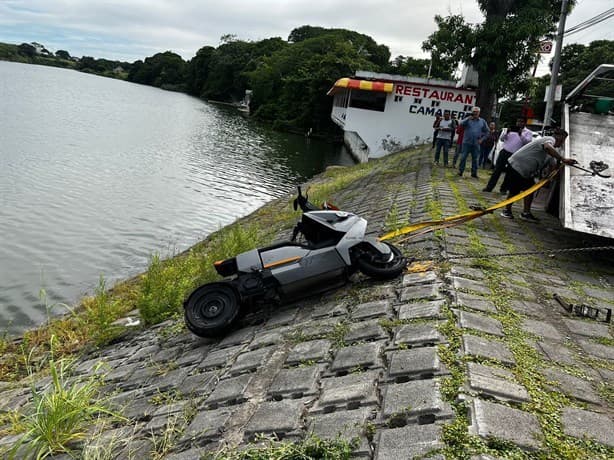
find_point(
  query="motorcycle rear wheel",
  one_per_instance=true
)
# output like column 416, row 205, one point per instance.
column 211, row 309
column 372, row 264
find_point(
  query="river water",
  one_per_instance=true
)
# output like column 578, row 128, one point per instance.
column 98, row 174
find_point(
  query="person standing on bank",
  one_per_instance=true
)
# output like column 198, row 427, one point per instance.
column 527, row 163
column 455, row 126
column 436, row 129
column 475, row 128
column 444, row 138
column 513, row 139
column 487, row 143
column 459, row 142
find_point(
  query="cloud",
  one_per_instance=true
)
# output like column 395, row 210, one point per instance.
column 135, row 29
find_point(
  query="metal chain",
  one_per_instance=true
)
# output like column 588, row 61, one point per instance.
column 530, row 253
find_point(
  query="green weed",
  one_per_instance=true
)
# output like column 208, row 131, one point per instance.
column 392, row 221
column 60, row 415
column 337, row 335
column 100, row 311
column 167, row 283
column 165, row 286
column 164, row 442
column 100, row 448
column 606, row 391
column 269, row 448
column 369, row 431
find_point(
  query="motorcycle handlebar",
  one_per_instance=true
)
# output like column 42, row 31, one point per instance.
column 303, row 202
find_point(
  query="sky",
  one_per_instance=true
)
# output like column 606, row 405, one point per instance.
column 128, row 30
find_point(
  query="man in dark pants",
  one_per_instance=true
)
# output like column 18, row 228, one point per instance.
column 475, row 128
column 436, row 129
column 527, row 163
column 444, row 137
column 513, row 139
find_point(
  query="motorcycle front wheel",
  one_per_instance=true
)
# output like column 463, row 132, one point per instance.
column 374, row 265
column 210, row 310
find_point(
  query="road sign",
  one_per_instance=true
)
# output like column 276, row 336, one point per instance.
column 545, row 47
column 558, row 92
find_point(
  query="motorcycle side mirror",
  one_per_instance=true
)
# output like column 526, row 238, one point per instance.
column 296, row 202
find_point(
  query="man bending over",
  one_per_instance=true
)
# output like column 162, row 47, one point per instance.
column 527, row 163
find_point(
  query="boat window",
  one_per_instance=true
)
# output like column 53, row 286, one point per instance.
column 368, row 100
column 341, row 99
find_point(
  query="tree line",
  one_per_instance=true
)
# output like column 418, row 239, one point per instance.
column 289, row 78
column 34, row 53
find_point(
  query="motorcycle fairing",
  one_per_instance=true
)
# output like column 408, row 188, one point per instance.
column 317, row 270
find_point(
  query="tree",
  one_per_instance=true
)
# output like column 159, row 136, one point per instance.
column 62, row 54
column 304, row 33
column 162, row 69
column 402, row 65
column 197, row 70
column 577, row 62
column 26, row 49
column 501, row 49
column 88, row 64
column 290, row 86
column 221, row 73
column 363, row 44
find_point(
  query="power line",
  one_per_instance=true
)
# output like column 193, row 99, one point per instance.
column 590, row 22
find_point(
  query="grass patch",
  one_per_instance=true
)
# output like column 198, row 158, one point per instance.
column 60, row 415
column 606, row 391
column 166, row 283
column 100, row 312
column 268, row 448
column 337, row 335
column 165, row 286
column 393, row 221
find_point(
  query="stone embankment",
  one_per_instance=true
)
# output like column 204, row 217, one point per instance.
column 462, row 357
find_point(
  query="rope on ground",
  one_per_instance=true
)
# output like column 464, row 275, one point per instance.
column 551, row 252
column 425, row 227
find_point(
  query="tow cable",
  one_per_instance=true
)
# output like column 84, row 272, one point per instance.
column 597, row 168
column 584, row 310
column 548, row 252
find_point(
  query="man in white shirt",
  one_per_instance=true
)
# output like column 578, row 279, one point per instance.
column 527, row 163
column 444, row 137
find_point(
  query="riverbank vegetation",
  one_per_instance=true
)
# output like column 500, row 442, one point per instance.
column 35, row 53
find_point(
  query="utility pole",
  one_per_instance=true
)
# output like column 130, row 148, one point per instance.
column 556, row 63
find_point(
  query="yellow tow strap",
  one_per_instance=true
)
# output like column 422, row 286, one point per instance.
column 431, row 225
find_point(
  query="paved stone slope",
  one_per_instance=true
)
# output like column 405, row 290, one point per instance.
column 461, row 358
